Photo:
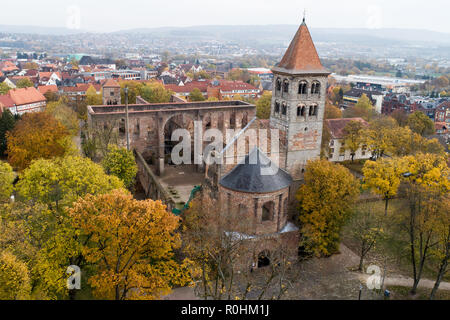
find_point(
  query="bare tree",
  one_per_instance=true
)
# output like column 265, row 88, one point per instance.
column 222, row 256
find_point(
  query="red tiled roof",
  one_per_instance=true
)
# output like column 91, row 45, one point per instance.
column 26, row 96
column 45, row 89
column 188, row 87
column 227, row 85
column 301, row 54
column 111, row 83
column 48, row 74
column 337, row 126
column 6, row 101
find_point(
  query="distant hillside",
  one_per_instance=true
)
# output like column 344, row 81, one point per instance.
column 39, row 30
column 283, row 33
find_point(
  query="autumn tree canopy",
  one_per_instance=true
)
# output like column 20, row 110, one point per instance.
column 263, row 105
column 325, row 200
column 120, row 162
column 36, row 136
column 131, row 244
column 7, row 177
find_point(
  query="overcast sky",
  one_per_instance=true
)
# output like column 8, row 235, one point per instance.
column 114, row 15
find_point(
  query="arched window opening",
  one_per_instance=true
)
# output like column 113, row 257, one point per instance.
column 284, row 109
column 263, row 259
column 267, row 211
column 299, row 111
column 310, row 111
column 278, row 84
column 315, row 110
column 286, row 86
column 315, row 88
column 277, row 107
column 303, row 87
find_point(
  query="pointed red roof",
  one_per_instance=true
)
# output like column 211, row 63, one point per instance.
column 110, row 83
column 301, row 56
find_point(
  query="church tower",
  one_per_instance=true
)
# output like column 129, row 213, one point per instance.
column 298, row 102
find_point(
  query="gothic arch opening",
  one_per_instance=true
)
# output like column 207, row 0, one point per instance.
column 303, row 87
column 278, row 85
column 264, row 259
column 179, row 121
column 315, row 87
column 286, row 86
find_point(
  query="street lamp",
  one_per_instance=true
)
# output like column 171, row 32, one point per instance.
column 127, row 124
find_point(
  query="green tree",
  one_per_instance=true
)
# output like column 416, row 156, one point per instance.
column 325, row 203
column 421, row 124
column 196, row 95
column 263, row 106
column 7, row 177
column 4, row 88
column 24, row 83
column 120, row 162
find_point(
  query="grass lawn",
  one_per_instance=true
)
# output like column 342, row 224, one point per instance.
column 402, row 293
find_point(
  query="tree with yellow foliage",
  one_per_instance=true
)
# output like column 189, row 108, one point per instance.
column 352, row 137
column 36, row 136
column 325, row 200
column 64, row 114
column 58, row 183
column 154, row 92
column 92, row 97
column 383, row 177
column 7, row 177
column 14, row 278
column 377, row 136
column 131, row 245
column 426, row 178
column 263, row 105
column 332, row 112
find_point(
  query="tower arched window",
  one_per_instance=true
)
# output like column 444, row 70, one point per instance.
column 300, row 111
column 278, row 84
column 315, row 87
column 311, row 109
column 286, row 86
column 284, row 109
column 303, row 87
column 315, row 109
column 277, row 107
